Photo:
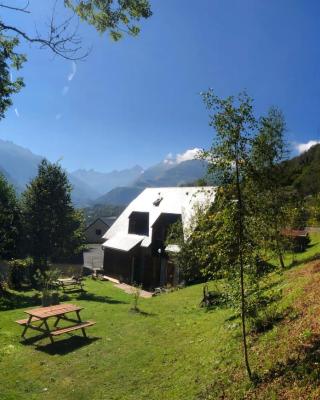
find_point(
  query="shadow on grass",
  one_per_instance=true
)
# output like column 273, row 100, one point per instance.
column 303, row 368
column 65, row 346
column 100, row 299
column 72, row 291
column 296, row 263
column 16, row 300
column 10, row 301
column 140, row 312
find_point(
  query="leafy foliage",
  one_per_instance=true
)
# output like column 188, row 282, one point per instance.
column 271, row 199
column 302, row 172
column 116, row 16
column 9, row 58
column 244, row 154
column 53, row 228
column 19, row 272
column 10, row 226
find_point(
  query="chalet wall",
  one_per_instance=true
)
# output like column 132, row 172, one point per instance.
column 118, row 264
column 139, row 266
column 95, row 232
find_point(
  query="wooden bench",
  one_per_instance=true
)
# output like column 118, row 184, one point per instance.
column 26, row 320
column 61, row 331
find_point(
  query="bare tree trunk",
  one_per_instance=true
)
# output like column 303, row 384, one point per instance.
column 279, row 251
column 280, row 255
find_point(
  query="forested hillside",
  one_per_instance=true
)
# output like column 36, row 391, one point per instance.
column 303, row 172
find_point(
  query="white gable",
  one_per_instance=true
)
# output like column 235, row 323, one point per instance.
column 157, row 201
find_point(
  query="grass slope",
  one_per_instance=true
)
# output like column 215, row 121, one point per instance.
column 173, row 350
column 166, row 353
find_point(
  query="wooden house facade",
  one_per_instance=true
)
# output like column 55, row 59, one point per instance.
column 134, row 247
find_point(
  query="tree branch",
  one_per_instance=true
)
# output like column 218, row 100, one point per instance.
column 21, row 9
column 67, row 47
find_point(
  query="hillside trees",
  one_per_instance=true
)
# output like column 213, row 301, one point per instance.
column 229, row 158
column 117, row 17
column 245, row 225
column 10, row 224
column 53, row 229
column 271, row 199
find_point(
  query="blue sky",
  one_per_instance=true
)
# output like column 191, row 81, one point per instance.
column 135, row 101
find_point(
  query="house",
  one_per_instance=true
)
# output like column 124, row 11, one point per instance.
column 95, row 231
column 134, row 247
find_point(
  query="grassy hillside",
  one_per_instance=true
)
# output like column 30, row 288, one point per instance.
column 173, row 350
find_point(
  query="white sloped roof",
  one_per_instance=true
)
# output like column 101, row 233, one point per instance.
column 174, row 200
column 123, row 242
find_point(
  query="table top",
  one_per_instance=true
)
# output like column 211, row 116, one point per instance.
column 52, row 311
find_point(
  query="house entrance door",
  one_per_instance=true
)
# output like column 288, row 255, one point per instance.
column 136, row 270
column 163, row 271
column 170, row 273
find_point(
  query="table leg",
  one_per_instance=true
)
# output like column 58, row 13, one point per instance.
column 58, row 319
column 41, row 324
column 82, row 329
column 48, row 330
column 26, row 326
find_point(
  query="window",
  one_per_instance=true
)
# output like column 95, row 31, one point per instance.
column 98, row 232
column 139, row 223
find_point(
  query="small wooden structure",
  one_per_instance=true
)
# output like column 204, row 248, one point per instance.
column 59, row 312
column 70, row 283
column 299, row 238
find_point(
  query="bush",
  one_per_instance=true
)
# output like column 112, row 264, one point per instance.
column 213, row 298
column 266, row 320
column 135, row 298
column 19, row 272
column 3, row 284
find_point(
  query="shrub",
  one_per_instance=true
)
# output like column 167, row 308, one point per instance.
column 47, row 281
column 19, row 272
column 3, row 284
column 213, row 298
column 135, row 298
column 266, row 319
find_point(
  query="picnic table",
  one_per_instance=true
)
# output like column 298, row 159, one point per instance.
column 71, row 283
column 59, row 312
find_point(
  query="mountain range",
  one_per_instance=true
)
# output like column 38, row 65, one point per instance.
column 19, row 165
column 159, row 175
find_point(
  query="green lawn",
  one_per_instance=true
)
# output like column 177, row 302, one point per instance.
column 173, row 350
column 169, row 352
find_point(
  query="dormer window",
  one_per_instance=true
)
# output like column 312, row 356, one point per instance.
column 139, row 223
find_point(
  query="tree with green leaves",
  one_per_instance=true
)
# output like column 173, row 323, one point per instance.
column 53, row 229
column 195, row 259
column 271, row 197
column 230, row 159
column 251, row 206
column 10, row 228
column 118, row 17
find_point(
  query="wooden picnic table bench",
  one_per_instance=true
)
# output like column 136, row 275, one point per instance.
column 58, row 312
column 72, row 283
